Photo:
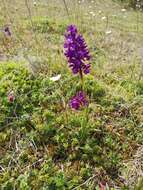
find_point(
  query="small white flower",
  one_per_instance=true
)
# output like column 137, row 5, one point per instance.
column 55, row 78
column 91, row 12
column 138, row 5
column 123, row 10
column 103, row 18
column 108, row 32
column 34, row 3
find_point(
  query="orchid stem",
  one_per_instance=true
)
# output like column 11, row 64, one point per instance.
column 82, row 81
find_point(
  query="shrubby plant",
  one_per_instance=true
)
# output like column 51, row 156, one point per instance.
column 62, row 130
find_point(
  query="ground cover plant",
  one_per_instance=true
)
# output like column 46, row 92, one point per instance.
column 71, row 95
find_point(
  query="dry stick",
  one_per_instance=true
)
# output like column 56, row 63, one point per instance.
column 35, row 36
column 3, row 169
column 107, row 21
column 30, row 18
column 79, row 15
column 74, row 13
column 137, row 21
column 66, row 7
column 77, row 12
column 28, row 167
column 89, row 179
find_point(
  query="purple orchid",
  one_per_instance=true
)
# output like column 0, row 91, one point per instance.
column 7, row 31
column 76, row 51
column 78, row 101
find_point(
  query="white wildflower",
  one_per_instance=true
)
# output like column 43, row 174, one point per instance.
column 108, row 32
column 103, row 18
column 55, row 78
column 91, row 12
column 123, row 10
column 34, row 3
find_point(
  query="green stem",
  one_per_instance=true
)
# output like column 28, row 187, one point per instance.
column 86, row 115
column 82, row 81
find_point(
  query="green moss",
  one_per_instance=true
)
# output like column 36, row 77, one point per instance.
column 94, row 89
column 140, row 88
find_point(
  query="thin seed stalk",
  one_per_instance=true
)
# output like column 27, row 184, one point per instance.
column 30, row 17
column 66, row 7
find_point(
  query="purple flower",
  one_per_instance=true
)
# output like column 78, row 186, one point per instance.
column 78, row 101
column 7, row 31
column 76, row 51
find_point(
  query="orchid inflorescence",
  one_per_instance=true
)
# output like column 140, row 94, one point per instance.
column 78, row 100
column 76, row 51
column 78, row 57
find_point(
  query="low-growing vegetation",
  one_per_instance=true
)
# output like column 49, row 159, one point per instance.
column 71, row 95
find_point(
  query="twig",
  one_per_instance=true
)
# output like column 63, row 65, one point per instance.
column 1, row 168
column 38, row 161
column 66, row 7
column 30, row 18
column 89, row 179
